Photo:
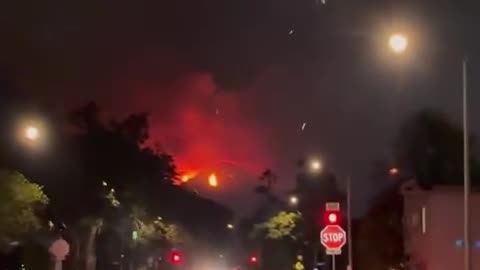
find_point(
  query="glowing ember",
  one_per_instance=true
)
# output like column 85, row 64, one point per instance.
column 212, row 180
column 304, row 125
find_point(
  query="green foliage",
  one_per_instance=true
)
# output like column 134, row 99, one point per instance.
column 279, row 226
column 19, row 200
column 156, row 229
column 112, row 199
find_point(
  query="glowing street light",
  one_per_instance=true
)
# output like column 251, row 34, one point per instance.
column 230, row 226
column 393, row 171
column 398, row 43
column 293, row 200
column 32, row 133
column 316, row 165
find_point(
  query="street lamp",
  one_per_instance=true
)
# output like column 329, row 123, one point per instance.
column 466, row 169
column 293, row 200
column 398, row 43
column 31, row 133
column 393, row 171
column 315, row 165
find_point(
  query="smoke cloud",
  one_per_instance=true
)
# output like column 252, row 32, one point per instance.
column 207, row 130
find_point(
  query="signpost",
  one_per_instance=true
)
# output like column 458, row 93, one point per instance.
column 333, row 237
column 59, row 250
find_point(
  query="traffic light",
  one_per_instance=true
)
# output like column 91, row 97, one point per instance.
column 253, row 259
column 332, row 217
column 175, row 257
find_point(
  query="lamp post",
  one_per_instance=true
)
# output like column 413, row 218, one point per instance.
column 399, row 43
column 466, row 168
column 349, row 223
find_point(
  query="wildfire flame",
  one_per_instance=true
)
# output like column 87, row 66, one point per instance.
column 212, row 180
column 190, row 175
column 186, row 177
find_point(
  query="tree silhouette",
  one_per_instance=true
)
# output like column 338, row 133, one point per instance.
column 267, row 181
column 98, row 170
column 269, row 178
column 379, row 241
column 430, row 148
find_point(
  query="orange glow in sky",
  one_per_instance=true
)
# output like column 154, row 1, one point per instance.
column 212, row 180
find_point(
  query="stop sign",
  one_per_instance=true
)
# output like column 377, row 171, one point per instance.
column 333, row 237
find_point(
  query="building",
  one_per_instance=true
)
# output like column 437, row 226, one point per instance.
column 433, row 227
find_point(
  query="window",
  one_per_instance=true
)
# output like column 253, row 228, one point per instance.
column 424, row 220
column 459, row 243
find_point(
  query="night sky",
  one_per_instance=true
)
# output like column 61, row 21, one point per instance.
column 229, row 84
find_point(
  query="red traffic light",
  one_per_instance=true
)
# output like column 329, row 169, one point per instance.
column 332, row 217
column 253, row 259
column 175, row 257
